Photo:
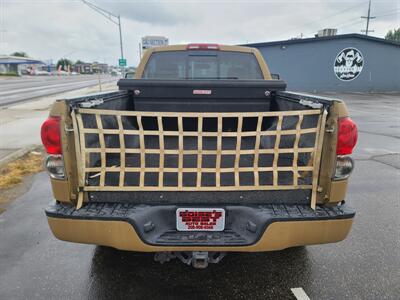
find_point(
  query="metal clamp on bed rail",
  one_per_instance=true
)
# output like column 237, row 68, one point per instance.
column 311, row 104
column 91, row 103
column 67, row 129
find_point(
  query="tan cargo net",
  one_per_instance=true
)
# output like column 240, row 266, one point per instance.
column 158, row 151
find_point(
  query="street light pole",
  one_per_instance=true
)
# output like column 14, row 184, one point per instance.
column 120, row 36
column 113, row 18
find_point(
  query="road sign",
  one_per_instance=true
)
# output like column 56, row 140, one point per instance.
column 122, row 62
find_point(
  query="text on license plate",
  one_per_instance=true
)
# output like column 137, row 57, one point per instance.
column 204, row 219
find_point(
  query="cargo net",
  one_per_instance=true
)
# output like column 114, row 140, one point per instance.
column 168, row 151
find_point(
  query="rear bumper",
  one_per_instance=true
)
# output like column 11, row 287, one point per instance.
column 152, row 228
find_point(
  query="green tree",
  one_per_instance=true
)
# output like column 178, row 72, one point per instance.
column 78, row 62
column 19, row 54
column 393, row 35
column 64, row 62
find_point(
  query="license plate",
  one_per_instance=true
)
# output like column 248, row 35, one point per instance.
column 200, row 219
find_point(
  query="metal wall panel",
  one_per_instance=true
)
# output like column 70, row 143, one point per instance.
column 309, row 66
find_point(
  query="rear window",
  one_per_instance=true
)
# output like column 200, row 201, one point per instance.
column 202, row 65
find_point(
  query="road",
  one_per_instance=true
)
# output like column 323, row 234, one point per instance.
column 34, row 265
column 30, row 87
column 20, row 122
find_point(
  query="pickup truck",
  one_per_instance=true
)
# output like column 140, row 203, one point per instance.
column 201, row 154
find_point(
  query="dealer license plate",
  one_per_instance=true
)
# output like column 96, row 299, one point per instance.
column 200, row 219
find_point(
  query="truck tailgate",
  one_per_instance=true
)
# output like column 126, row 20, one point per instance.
column 137, row 151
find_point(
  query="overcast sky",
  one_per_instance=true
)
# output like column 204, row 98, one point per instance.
column 55, row 28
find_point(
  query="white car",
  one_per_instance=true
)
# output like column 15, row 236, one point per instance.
column 40, row 73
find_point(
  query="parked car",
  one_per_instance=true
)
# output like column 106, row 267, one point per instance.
column 129, row 75
column 41, row 73
column 203, row 153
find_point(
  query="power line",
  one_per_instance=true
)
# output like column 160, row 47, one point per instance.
column 367, row 30
column 388, row 14
column 333, row 15
column 381, row 16
column 326, row 17
column 349, row 24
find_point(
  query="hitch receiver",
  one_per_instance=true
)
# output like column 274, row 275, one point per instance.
column 198, row 259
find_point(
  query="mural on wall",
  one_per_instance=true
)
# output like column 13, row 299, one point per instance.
column 348, row 64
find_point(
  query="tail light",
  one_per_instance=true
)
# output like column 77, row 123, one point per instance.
column 344, row 167
column 202, row 47
column 54, row 164
column 51, row 139
column 347, row 136
column 347, row 139
column 51, row 135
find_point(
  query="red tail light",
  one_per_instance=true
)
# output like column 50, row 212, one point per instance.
column 51, row 136
column 202, row 47
column 347, row 136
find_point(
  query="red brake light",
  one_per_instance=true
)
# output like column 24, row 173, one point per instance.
column 202, row 47
column 347, row 136
column 51, row 136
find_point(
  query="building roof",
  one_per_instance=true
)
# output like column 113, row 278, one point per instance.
column 8, row 59
column 324, row 38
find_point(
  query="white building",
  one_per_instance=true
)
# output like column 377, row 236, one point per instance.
column 13, row 65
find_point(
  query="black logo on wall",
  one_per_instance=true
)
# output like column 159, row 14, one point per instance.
column 348, row 64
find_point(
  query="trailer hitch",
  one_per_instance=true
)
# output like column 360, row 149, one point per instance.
column 198, row 259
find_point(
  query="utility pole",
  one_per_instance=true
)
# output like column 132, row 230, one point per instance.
column 368, row 18
column 114, row 19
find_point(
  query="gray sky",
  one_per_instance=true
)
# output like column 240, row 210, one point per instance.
column 54, row 28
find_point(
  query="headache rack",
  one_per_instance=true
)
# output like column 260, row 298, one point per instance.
column 202, row 151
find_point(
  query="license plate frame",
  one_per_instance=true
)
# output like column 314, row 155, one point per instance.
column 200, row 219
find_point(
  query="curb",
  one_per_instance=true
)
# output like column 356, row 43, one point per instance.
column 17, row 154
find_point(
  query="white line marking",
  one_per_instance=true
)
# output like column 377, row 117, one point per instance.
column 300, row 294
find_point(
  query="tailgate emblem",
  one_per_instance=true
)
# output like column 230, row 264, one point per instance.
column 201, row 92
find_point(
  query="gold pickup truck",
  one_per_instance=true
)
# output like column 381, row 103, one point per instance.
column 202, row 153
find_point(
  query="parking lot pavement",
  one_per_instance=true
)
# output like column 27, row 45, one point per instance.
column 34, row 265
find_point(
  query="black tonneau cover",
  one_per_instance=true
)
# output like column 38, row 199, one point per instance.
column 202, row 95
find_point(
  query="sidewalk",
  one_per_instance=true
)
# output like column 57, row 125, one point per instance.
column 20, row 123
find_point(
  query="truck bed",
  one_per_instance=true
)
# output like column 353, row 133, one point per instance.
column 199, row 142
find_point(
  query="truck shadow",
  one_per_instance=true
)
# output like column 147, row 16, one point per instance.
column 117, row 274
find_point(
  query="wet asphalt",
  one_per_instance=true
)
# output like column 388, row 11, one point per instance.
column 35, row 265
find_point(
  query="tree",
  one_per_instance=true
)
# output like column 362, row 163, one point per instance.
column 19, row 54
column 64, row 62
column 393, row 35
column 79, row 62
